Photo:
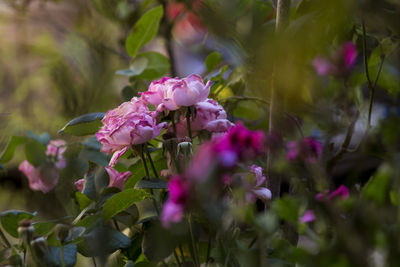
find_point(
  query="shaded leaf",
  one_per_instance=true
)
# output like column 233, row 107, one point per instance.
column 11, row 218
column 53, row 256
column 213, row 60
column 84, row 125
column 157, row 65
column 35, row 153
column 153, row 183
column 8, row 152
column 82, row 200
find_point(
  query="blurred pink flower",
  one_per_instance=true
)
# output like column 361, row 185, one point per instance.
column 117, row 179
column 341, row 62
column 307, row 217
column 173, row 209
column 130, row 124
column 342, row 192
column 45, row 177
column 308, row 149
column 257, row 190
column 173, row 93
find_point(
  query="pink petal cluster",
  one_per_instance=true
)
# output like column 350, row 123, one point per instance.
column 173, row 209
column 173, row 93
column 308, row 149
column 341, row 192
column 258, row 190
column 129, row 124
column 209, row 116
column 45, row 177
column 340, row 64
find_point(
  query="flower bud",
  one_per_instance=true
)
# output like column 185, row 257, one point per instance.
column 25, row 231
column 61, row 231
column 185, row 148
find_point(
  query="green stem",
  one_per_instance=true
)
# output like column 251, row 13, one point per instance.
column 173, row 122
column 151, row 162
column 189, row 128
column 144, row 162
column 196, row 258
column 5, row 240
column 208, row 250
column 177, row 259
column 94, row 262
column 182, row 254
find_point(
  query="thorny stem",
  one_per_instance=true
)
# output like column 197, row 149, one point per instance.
column 151, row 162
column 144, row 162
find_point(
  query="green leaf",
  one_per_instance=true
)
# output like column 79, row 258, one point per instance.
column 35, row 153
column 82, row 200
column 92, row 143
column 153, row 183
column 44, row 138
column 8, row 152
column 89, row 188
column 102, row 241
column 95, row 156
column 137, row 67
column 213, row 60
column 377, row 187
column 157, row 65
column 144, row 30
column 11, row 218
column 84, row 125
column 43, row 228
column 53, row 256
column 287, row 208
column 122, row 201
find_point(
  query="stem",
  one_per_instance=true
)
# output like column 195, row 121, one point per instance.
column 196, row 258
column 172, row 114
column 94, row 262
column 182, row 255
column 189, row 127
column 116, row 225
column 5, row 239
column 151, row 161
column 177, row 259
column 208, row 250
column 275, row 110
column 370, row 85
column 144, row 162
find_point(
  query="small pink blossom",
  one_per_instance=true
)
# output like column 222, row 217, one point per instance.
column 307, row 217
column 80, row 184
column 339, row 64
column 307, row 149
column 257, row 190
column 172, row 213
column 341, row 192
column 44, row 178
column 117, row 179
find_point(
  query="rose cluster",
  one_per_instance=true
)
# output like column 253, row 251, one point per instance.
column 45, row 177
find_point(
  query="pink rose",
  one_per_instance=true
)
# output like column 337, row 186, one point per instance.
column 117, row 179
column 130, row 124
column 209, row 116
column 173, row 93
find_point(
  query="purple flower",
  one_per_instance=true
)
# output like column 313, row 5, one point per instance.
column 307, row 149
column 307, row 217
column 257, row 190
column 339, row 64
column 341, row 192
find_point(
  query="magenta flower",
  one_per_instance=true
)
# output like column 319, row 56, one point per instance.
column 45, row 177
column 339, row 64
column 117, row 179
column 341, row 192
column 130, row 124
column 173, row 93
column 307, row 217
column 209, row 116
column 307, row 149
column 173, row 209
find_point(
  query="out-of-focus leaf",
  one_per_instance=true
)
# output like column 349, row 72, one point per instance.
column 135, row 249
column 377, row 187
column 136, row 67
column 89, row 188
column 213, row 60
column 84, row 125
column 102, row 241
column 43, row 228
column 8, row 153
column 53, row 257
column 92, row 143
column 144, row 30
column 122, row 201
column 35, row 153
column 287, row 209
column 128, row 92
column 157, row 65
column 95, row 156
column 11, row 218
column 44, row 138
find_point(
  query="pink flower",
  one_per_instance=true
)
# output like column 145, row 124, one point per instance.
column 79, row 184
column 44, row 178
column 209, row 116
column 307, row 217
column 130, row 124
column 256, row 188
column 117, row 179
column 56, row 149
column 307, row 149
column 257, row 170
column 173, row 209
column 173, row 93
column 342, row 192
column 341, row 62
